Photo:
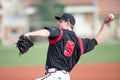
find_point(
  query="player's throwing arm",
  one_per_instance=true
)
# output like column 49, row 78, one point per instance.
column 107, row 19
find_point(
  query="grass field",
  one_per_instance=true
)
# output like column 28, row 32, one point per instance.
column 103, row 53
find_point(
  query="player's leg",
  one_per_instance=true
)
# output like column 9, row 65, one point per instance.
column 48, row 76
column 62, row 75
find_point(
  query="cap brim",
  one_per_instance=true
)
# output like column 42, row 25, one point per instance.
column 58, row 18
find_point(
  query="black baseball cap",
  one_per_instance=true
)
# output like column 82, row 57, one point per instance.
column 67, row 17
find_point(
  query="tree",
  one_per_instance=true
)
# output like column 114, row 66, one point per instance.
column 48, row 9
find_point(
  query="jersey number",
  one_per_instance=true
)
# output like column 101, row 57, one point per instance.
column 69, row 47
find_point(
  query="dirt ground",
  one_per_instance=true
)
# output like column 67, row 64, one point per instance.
column 80, row 72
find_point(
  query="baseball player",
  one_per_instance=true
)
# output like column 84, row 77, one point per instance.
column 65, row 48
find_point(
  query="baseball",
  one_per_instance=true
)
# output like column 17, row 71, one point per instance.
column 111, row 16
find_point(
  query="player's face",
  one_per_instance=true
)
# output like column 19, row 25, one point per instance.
column 62, row 24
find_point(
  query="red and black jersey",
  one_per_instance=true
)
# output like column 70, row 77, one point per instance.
column 65, row 49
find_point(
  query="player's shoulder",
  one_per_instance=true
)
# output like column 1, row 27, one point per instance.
column 51, row 28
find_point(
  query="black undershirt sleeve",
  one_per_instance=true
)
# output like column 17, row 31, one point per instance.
column 89, row 44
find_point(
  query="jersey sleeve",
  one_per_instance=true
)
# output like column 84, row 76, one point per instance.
column 89, row 44
column 55, row 35
column 54, row 32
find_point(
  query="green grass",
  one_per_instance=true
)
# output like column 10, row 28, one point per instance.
column 9, row 56
column 103, row 53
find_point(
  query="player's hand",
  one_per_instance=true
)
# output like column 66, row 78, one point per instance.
column 109, row 18
column 24, row 44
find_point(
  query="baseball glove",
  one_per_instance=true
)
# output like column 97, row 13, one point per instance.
column 24, row 44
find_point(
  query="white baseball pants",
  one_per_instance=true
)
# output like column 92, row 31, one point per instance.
column 54, row 74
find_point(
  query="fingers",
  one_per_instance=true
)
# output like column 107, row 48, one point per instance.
column 109, row 18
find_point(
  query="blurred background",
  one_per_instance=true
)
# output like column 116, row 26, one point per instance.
column 21, row 16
